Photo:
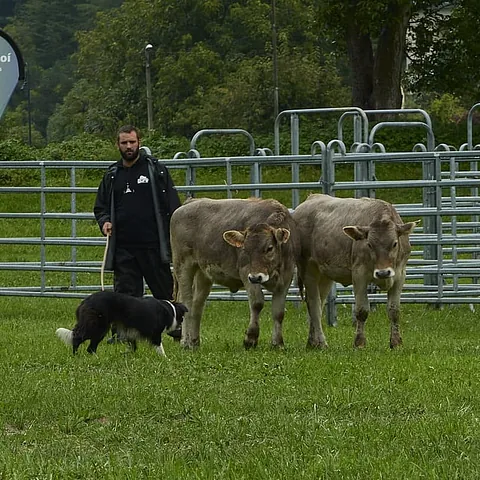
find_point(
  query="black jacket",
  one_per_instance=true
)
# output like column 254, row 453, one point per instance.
column 165, row 197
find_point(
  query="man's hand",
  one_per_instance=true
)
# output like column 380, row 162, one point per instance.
column 107, row 228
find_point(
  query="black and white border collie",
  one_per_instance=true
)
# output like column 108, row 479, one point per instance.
column 134, row 318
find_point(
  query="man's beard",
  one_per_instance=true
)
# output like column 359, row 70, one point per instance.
column 130, row 155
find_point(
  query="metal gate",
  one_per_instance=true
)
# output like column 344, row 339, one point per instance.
column 444, row 267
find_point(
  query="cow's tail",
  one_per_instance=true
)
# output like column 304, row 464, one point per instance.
column 175, row 288
column 300, row 287
column 65, row 335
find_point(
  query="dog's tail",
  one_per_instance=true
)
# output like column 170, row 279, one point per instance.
column 65, row 335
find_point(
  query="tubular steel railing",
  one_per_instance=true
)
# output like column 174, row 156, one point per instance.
column 62, row 235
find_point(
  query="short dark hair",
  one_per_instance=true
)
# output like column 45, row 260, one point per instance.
column 128, row 129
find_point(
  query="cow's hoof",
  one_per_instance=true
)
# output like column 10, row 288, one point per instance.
column 249, row 343
column 278, row 345
column 360, row 341
column 190, row 345
column 394, row 343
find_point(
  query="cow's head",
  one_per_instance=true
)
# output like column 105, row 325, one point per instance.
column 379, row 242
column 260, row 253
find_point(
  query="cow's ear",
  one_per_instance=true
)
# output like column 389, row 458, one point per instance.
column 356, row 233
column 282, row 235
column 234, row 238
column 407, row 228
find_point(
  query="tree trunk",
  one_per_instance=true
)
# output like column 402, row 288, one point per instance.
column 360, row 53
column 390, row 57
column 376, row 77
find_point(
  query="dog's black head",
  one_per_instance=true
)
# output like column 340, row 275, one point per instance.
column 181, row 310
column 178, row 312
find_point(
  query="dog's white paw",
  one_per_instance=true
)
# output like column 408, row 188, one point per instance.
column 64, row 335
column 161, row 351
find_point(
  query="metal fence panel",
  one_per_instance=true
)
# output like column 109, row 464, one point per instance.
column 443, row 268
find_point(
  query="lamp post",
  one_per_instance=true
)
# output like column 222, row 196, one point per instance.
column 148, row 49
column 275, row 60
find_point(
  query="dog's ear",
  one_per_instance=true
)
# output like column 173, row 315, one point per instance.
column 181, row 308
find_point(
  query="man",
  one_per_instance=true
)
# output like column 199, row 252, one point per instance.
column 134, row 203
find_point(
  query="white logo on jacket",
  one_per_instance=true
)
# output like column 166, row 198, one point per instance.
column 142, row 179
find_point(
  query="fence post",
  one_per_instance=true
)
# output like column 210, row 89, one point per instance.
column 73, row 209
column 43, row 210
column 295, row 140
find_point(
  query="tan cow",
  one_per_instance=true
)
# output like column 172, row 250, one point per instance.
column 352, row 242
column 238, row 243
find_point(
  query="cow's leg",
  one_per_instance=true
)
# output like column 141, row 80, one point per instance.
column 316, row 292
column 198, row 295
column 393, row 311
column 256, row 302
column 278, row 313
column 362, row 308
column 184, row 277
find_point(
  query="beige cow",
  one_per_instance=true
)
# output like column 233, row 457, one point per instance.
column 238, row 243
column 352, row 242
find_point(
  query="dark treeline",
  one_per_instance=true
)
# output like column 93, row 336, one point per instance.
column 213, row 61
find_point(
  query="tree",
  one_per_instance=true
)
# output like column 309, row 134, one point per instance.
column 374, row 34
column 445, row 53
column 45, row 33
column 7, row 10
column 211, row 64
column 212, row 59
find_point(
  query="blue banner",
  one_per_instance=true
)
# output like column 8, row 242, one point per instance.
column 11, row 69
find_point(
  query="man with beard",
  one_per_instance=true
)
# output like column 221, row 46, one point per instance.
column 134, row 203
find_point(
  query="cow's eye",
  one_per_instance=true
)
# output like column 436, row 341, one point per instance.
column 270, row 249
column 369, row 245
column 395, row 243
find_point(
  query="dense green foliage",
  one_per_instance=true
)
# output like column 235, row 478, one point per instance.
column 212, row 65
column 45, row 32
column 446, row 54
column 447, row 130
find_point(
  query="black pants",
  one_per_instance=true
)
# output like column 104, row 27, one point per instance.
column 132, row 265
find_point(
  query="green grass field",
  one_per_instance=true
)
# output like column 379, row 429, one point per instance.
column 225, row 413
column 222, row 412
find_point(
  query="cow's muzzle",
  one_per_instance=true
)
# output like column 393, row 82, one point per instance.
column 258, row 278
column 384, row 273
